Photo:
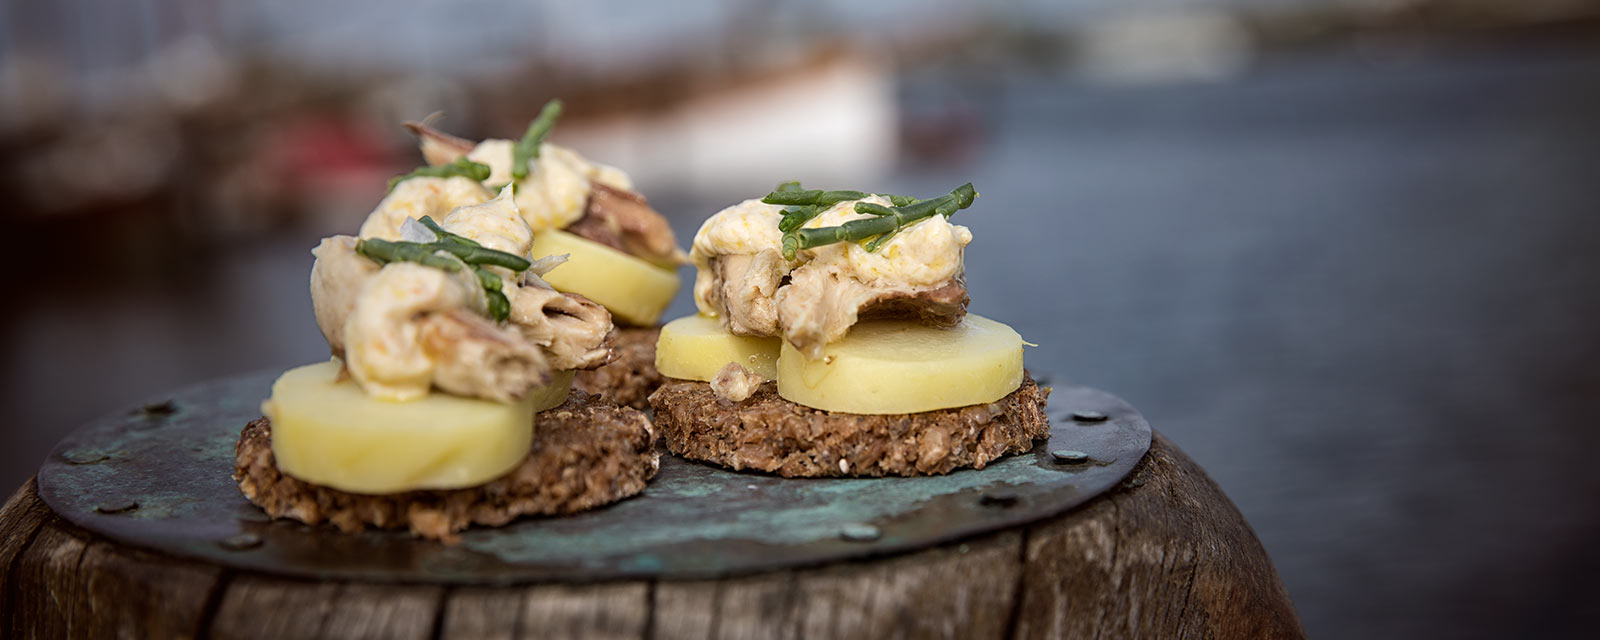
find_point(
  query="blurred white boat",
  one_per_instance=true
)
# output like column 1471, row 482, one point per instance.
column 829, row 121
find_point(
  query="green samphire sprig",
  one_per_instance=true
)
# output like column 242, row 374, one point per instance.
column 462, row 251
column 875, row 231
column 528, row 147
column 810, row 203
column 461, row 167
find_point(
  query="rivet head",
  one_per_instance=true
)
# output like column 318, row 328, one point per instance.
column 84, row 456
column 1069, row 456
column 117, row 506
column 1001, row 499
column 1088, row 416
column 240, row 542
column 158, row 409
column 860, row 532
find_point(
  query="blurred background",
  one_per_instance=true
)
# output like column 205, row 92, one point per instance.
column 1343, row 252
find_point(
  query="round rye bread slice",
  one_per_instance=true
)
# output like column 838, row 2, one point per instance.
column 631, row 375
column 768, row 433
column 585, row 454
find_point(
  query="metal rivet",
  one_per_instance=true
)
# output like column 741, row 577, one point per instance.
column 240, row 542
column 1088, row 416
column 860, row 532
column 1002, row 499
column 117, row 506
column 1069, row 456
column 158, row 409
column 82, row 456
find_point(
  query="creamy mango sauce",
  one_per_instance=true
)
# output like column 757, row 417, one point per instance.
column 419, row 197
column 497, row 224
column 827, row 284
column 384, row 348
column 556, row 190
column 405, row 328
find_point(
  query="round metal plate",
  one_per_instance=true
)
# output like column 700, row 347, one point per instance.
column 159, row 477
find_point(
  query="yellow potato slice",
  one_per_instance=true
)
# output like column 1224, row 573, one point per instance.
column 632, row 289
column 696, row 347
column 329, row 432
column 892, row 366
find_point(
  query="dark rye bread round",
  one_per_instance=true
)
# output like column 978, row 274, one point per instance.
column 768, row 433
column 631, row 376
column 585, row 454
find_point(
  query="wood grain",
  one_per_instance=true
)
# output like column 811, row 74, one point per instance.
column 963, row 591
column 383, row 611
column 483, row 613
column 759, row 606
column 126, row 589
column 1165, row 555
column 20, row 520
column 48, row 587
column 263, row 607
column 605, row 611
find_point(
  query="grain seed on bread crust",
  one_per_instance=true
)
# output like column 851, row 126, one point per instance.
column 585, row 454
column 631, row 375
column 768, row 433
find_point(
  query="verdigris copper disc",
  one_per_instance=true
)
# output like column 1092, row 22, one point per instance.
column 159, row 477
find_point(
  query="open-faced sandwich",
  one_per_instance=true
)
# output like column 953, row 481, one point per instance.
column 622, row 252
column 449, row 401
column 833, row 339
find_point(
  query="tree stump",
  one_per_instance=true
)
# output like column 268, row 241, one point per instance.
column 1163, row 555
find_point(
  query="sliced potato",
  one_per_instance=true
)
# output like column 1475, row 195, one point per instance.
column 696, row 347
column 553, row 394
column 329, row 432
column 892, row 366
column 632, row 289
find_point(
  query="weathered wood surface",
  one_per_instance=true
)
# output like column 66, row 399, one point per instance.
column 1165, row 555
